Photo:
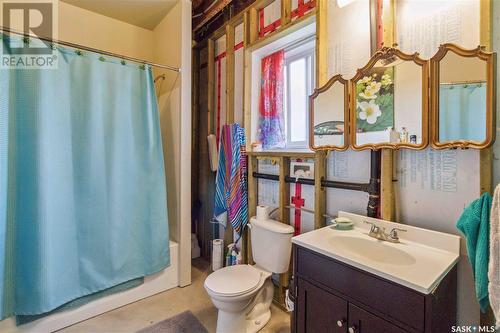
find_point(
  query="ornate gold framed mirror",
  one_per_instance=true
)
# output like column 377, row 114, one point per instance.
column 389, row 105
column 329, row 115
column 462, row 98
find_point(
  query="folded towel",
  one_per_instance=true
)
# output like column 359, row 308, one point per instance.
column 494, row 268
column 474, row 224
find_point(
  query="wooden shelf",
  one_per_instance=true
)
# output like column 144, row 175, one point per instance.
column 293, row 154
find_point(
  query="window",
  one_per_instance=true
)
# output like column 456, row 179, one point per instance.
column 299, row 84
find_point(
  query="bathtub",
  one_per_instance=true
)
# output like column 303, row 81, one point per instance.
column 153, row 284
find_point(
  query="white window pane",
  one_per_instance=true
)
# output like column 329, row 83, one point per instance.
column 298, row 100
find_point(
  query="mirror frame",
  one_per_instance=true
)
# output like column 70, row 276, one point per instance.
column 490, row 59
column 334, row 79
column 384, row 53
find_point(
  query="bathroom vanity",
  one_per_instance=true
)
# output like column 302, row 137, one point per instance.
column 347, row 281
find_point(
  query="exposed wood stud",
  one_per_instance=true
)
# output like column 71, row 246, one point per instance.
column 319, row 191
column 229, row 74
column 321, row 42
column 246, row 28
column 387, row 198
column 286, row 12
column 211, row 84
column 284, row 215
column 486, row 23
column 389, row 22
column 387, row 201
column 247, row 98
column 252, row 203
column 486, row 155
column 486, row 170
column 253, row 28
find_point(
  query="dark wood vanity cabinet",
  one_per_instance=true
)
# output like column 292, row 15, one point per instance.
column 331, row 296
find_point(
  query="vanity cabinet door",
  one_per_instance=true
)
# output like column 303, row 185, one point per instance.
column 361, row 321
column 318, row 311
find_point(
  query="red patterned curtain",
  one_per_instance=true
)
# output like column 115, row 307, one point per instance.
column 271, row 120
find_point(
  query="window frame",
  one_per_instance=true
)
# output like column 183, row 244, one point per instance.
column 309, row 54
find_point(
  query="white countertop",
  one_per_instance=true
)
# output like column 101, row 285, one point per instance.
column 420, row 261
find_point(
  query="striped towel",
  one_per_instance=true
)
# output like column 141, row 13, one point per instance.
column 231, row 198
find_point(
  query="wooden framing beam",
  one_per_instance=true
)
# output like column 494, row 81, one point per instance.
column 229, row 74
column 389, row 22
column 319, row 191
column 485, row 39
column 284, row 215
column 387, row 197
column 321, row 42
column 486, row 155
column 211, row 84
column 286, row 12
column 253, row 194
column 247, row 97
column 253, row 27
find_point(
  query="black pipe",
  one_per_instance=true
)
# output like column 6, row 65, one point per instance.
column 324, row 183
column 374, row 187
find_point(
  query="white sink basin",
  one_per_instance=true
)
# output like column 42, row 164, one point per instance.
column 372, row 250
column 419, row 261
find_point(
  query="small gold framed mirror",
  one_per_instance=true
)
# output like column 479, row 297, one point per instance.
column 389, row 102
column 462, row 98
column 328, row 116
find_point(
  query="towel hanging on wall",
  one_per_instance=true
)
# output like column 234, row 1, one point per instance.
column 474, row 223
column 231, row 201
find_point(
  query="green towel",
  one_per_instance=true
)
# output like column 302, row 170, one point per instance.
column 474, row 223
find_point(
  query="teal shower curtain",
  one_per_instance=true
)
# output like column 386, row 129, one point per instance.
column 461, row 108
column 82, row 181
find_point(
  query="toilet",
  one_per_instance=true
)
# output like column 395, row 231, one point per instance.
column 243, row 293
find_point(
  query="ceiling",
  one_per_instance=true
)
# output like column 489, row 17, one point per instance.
column 143, row 13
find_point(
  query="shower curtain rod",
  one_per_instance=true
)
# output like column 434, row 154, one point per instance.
column 461, row 82
column 90, row 49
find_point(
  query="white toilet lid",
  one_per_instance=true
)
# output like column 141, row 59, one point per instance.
column 233, row 280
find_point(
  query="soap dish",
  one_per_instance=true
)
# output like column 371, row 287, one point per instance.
column 344, row 226
column 342, row 223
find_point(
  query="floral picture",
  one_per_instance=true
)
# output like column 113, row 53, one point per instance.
column 375, row 100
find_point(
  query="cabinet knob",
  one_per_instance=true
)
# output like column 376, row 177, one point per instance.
column 352, row 329
column 341, row 322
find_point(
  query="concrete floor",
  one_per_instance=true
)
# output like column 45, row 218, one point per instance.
column 149, row 311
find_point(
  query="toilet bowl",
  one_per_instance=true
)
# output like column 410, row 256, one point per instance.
column 243, row 293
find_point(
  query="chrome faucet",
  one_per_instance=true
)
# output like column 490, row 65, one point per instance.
column 380, row 234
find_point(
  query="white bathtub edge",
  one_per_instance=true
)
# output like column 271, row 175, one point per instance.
column 154, row 284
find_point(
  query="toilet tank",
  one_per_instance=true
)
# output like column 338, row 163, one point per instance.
column 271, row 244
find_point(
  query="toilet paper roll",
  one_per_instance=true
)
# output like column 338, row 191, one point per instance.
column 262, row 212
column 217, row 254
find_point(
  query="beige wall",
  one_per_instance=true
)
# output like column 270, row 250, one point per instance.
column 172, row 46
column 166, row 50
column 101, row 32
column 87, row 28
